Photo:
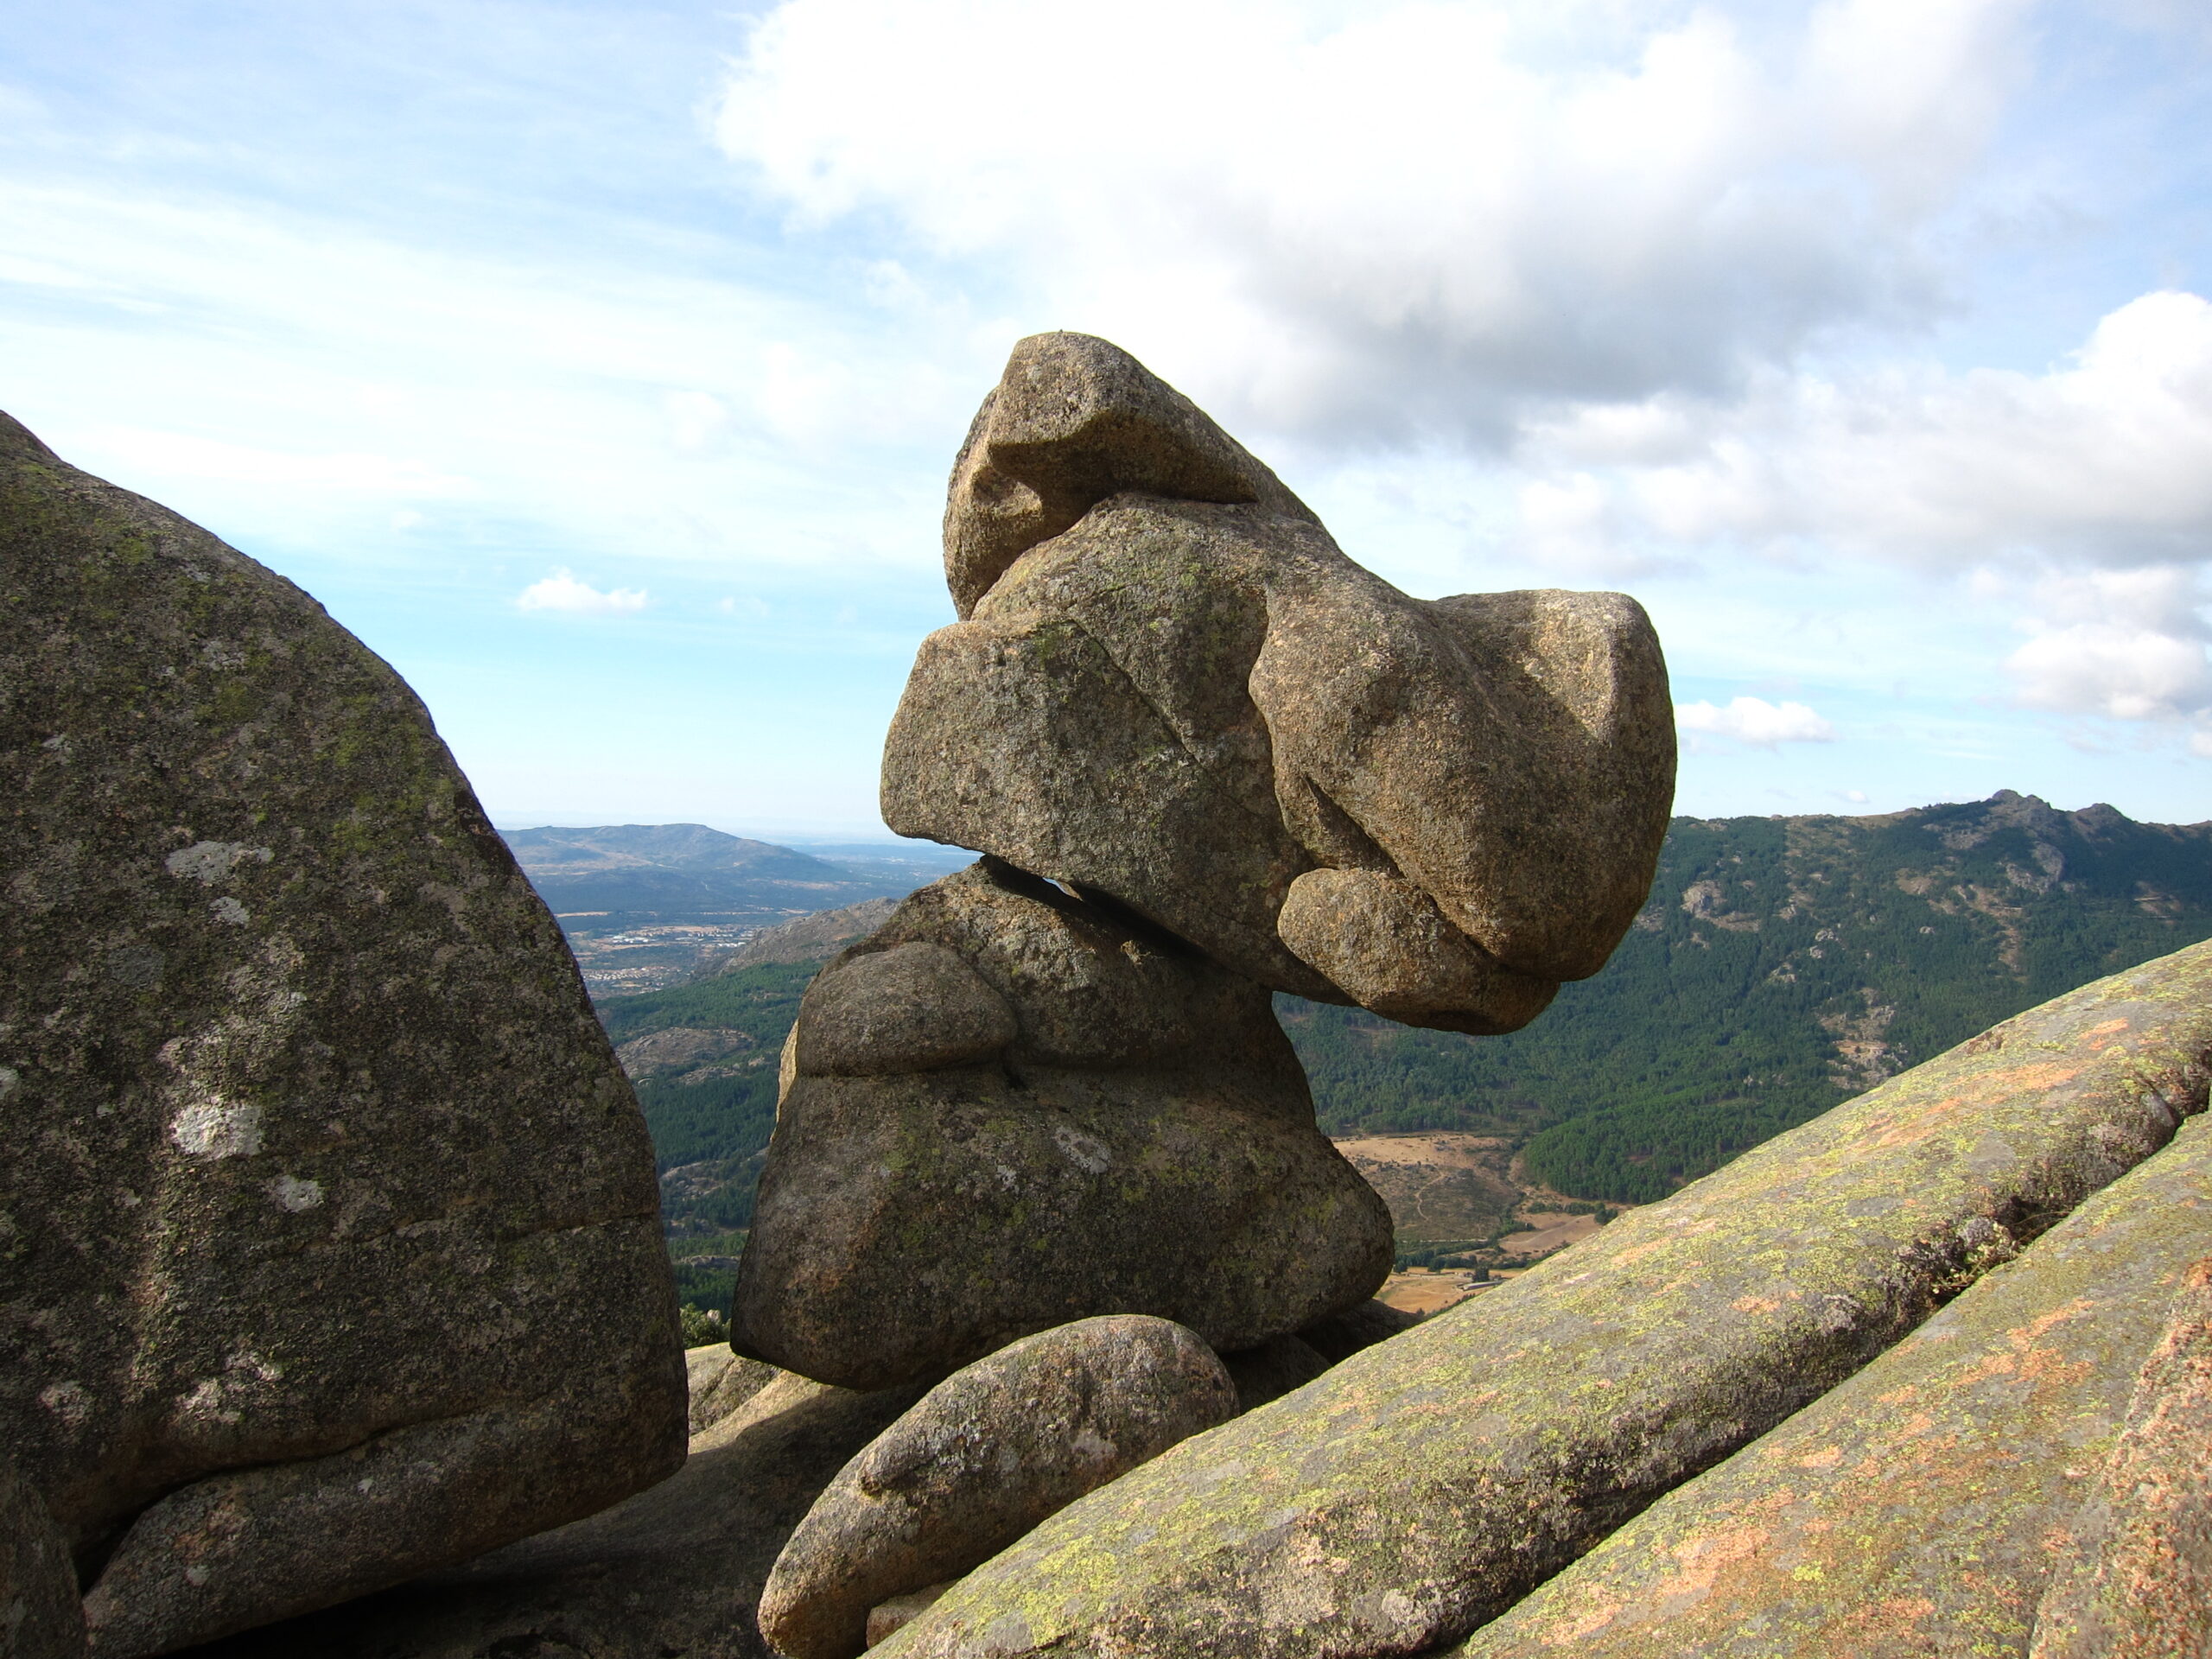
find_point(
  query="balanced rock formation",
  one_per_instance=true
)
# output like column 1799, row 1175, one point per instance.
column 1421, row 1487
column 980, row 1460
column 1011, row 1109
column 1171, row 687
column 1208, row 759
column 329, row 1248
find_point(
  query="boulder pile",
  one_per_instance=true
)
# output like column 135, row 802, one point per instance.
column 1207, row 759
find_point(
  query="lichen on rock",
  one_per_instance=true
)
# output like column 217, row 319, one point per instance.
column 316, row 1149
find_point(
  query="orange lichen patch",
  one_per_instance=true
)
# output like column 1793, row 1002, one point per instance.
column 1827, row 1458
column 1701, row 1562
column 1756, row 1304
column 1996, row 1084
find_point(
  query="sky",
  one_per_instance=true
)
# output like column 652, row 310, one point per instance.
column 600, row 365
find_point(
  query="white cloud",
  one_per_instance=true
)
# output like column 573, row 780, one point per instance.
column 1755, row 722
column 1391, row 217
column 2129, row 645
column 2107, row 459
column 562, row 592
column 302, row 364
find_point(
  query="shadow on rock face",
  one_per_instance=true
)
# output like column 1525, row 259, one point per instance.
column 676, row 1569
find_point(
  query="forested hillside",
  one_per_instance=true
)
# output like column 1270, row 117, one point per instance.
column 1780, row 966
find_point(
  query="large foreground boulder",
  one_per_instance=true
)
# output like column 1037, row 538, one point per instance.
column 1011, row 1109
column 1920, row 1508
column 1169, row 685
column 328, row 1248
column 1422, row 1486
column 978, row 1461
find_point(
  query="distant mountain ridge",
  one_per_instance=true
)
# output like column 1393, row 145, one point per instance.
column 1780, row 966
column 682, row 869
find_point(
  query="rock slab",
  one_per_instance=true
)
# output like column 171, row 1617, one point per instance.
column 2133, row 1578
column 316, row 1151
column 978, row 1461
column 1426, row 1483
column 1919, row 1508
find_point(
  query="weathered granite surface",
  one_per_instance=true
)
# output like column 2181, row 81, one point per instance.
column 982, row 1458
column 1919, row 1508
column 719, row 1382
column 41, row 1615
column 1422, row 1486
column 1171, row 687
column 1113, row 1124
column 2133, row 1577
column 316, row 1152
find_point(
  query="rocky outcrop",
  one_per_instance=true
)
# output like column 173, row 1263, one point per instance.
column 981, row 1460
column 1422, row 1486
column 1919, row 1507
column 1170, row 686
column 1209, row 758
column 1101, row 1121
column 41, row 1616
column 316, row 1152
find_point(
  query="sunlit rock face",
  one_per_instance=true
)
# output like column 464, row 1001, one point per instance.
column 328, row 1233
column 1170, row 686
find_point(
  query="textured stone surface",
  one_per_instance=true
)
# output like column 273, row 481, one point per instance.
column 721, row 1383
column 678, row 1569
column 2133, row 1580
column 316, row 1152
column 1170, row 686
column 886, row 1619
column 978, row 1461
column 41, row 1616
column 1145, row 1144
column 1423, row 1485
column 907, row 1007
column 1919, row 1507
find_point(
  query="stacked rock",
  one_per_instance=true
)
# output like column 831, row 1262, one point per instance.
column 1207, row 759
